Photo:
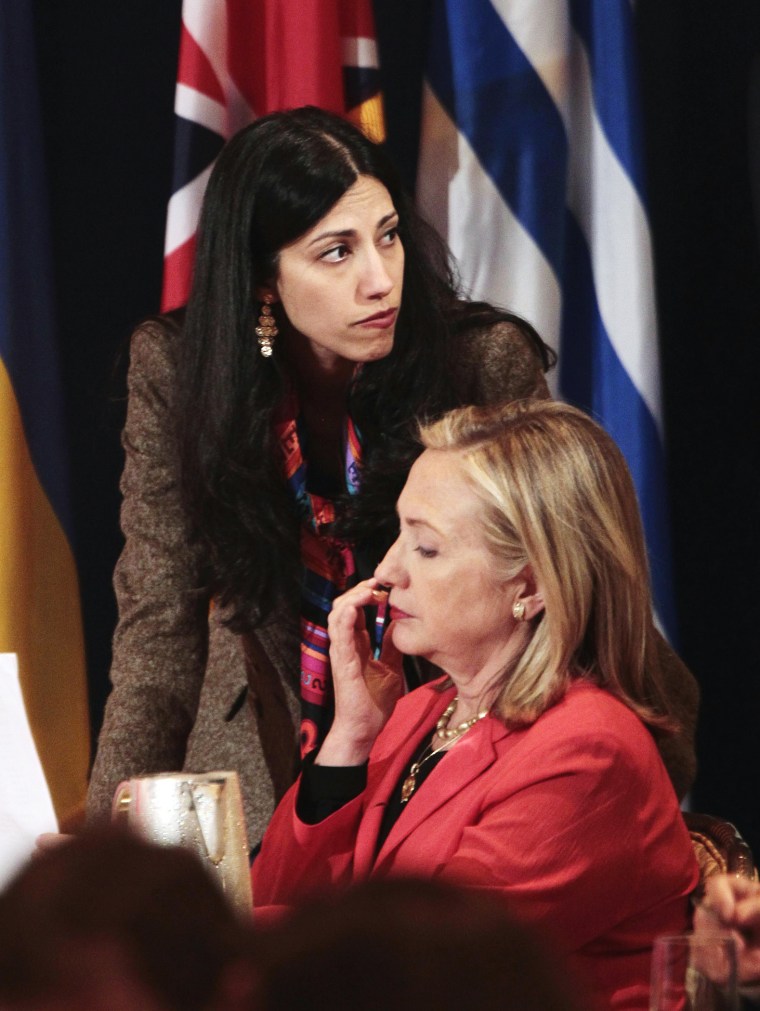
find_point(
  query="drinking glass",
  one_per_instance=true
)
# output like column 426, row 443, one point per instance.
column 200, row 811
column 694, row 973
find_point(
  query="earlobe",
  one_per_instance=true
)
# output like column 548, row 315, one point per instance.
column 527, row 606
column 529, row 601
column 267, row 293
column 534, row 605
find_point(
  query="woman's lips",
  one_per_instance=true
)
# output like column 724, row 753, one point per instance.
column 380, row 320
column 397, row 614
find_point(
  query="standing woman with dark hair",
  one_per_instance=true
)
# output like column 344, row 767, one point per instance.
column 267, row 440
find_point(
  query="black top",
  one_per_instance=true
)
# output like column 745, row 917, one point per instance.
column 324, row 789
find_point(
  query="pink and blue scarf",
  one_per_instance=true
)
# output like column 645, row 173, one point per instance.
column 329, row 569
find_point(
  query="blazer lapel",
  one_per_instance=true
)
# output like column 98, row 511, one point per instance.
column 469, row 758
column 275, row 703
column 386, row 766
column 280, row 644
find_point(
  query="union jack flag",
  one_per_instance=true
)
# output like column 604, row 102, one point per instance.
column 239, row 60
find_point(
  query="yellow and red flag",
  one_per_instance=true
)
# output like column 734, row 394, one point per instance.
column 40, row 616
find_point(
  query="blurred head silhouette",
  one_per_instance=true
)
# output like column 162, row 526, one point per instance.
column 108, row 922
column 408, row 945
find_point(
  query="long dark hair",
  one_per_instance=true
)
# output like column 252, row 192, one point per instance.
column 271, row 183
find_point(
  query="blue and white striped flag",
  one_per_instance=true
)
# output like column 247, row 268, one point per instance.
column 530, row 166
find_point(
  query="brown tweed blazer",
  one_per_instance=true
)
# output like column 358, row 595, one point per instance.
column 186, row 692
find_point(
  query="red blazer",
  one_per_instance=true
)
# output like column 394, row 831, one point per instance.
column 573, row 820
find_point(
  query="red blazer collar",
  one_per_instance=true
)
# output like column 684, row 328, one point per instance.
column 469, row 758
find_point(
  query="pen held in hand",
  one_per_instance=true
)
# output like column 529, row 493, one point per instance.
column 381, row 619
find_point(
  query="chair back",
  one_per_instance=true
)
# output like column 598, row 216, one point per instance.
column 719, row 847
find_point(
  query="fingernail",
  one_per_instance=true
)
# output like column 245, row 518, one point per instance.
column 380, row 594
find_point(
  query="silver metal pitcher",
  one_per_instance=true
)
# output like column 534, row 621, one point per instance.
column 202, row 811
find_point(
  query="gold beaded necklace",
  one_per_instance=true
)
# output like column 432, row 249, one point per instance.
column 446, row 733
column 449, row 736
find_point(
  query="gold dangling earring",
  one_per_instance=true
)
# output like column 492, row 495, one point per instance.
column 267, row 330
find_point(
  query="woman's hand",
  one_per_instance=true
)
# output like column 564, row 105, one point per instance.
column 734, row 904
column 366, row 690
column 50, row 841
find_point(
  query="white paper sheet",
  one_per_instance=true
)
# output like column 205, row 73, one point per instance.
column 26, row 809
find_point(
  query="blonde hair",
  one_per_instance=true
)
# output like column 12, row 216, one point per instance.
column 557, row 495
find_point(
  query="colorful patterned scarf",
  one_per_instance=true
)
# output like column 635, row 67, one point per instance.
column 329, row 569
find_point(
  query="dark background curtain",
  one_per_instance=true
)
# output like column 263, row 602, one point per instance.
column 107, row 82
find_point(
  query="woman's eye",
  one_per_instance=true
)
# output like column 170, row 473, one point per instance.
column 335, row 254
column 426, row 552
column 390, row 236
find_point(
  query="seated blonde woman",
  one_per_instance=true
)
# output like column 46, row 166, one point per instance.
column 529, row 769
